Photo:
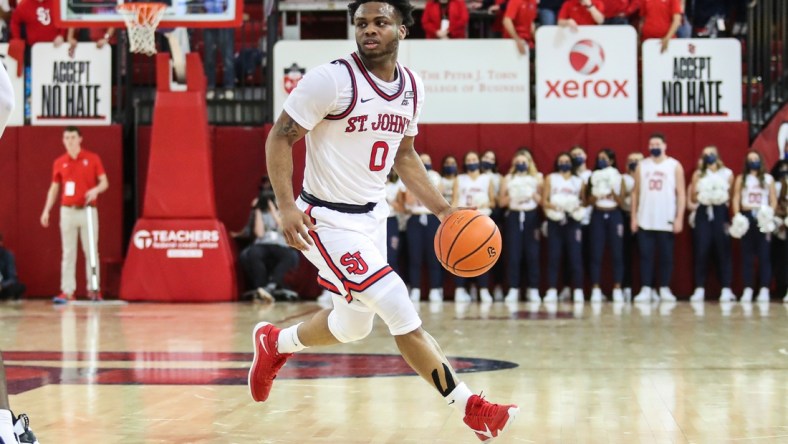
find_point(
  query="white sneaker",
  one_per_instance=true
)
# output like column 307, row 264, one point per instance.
column 415, row 294
column 485, row 296
column 655, row 295
column 461, row 295
column 498, row 293
column 747, row 295
column 596, row 295
column 551, row 296
column 699, row 295
column 618, row 295
column 512, row 296
column 727, row 295
column 644, row 295
column 533, row 295
column 436, row 295
column 578, row 295
column 565, row 293
column 763, row 295
column 666, row 295
column 628, row 294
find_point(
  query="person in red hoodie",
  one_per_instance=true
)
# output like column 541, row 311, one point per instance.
column 445, row 19
column 36, row 15
column 519, row 22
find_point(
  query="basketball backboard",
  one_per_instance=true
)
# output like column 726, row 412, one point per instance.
column 179, row 13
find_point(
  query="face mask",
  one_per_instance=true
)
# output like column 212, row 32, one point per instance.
column 472, row 166
column 564, row 167
column 521, row 167
column 579, row 160
column 632, row 166
column 655, row 152
column 754, row 165
column 487, row 165
column 448, row 170
column 709, row 159
column 428, row 166
column 602, row 163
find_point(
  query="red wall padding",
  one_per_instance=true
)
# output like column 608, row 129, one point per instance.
column 26, row 157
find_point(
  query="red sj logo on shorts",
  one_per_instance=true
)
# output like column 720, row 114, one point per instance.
column 354, row 263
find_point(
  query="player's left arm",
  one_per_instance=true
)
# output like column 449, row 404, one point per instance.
column 411, row 170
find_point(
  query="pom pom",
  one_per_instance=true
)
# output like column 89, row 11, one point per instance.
column 739, row 226
column 713, row 190
column 603, row 181
column 765, row 217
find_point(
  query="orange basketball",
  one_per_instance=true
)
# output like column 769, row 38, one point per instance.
column 468, row 243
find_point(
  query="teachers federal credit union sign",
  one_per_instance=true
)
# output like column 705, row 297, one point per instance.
column 68, row 90
column 695, row 80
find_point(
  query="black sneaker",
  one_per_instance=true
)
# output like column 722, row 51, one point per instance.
column 22, row 430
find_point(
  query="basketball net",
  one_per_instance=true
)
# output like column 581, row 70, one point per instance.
column 141, row 21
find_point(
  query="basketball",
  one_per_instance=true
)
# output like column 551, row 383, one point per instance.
column 468, row 243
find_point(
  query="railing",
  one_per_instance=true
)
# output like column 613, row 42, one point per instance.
column 767, row 55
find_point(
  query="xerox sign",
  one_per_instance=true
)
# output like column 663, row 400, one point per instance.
column 588, row 75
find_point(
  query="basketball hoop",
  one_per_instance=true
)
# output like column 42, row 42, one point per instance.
column 141, row 20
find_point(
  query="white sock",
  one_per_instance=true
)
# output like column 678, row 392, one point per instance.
column 288, row 340
column 458, row 398
column 7, row 427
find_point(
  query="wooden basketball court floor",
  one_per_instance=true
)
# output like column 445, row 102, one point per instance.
column 609, row 373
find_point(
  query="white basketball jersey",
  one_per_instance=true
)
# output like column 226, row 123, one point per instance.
column 474, row 193
column 559, row 185
column 417, row 207
column 753, row 195
column 657, row 197
column 519, row 185
column 356, row 123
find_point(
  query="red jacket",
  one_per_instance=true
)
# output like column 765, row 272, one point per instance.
column 457, row 14
column 37, row 17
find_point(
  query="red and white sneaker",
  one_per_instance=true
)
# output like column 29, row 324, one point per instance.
column 267, row 361
column 488, row 420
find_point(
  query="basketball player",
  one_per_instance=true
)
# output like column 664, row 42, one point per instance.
column 753, row 189
column 11, row 430
column 658, row 202
column 359, row 115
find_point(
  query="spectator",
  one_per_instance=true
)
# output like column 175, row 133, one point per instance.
column 448, row 177
column 548, row 11
column 82, row 177
column 626, row 206
column 616, row 12
column 393, row 186
column 445, row 19
column 561, row 197
column 712, row 220
column 659, row 19
column 36, row 16
column 658, row 202
column 753, row 190
column 489, row 166
column 10, row 287
column 421, row 228
column 268, row 258
column 521, row 192
column 605, row 194
column 222, row 39
column 707, row 17
column 780, row 243
column 474, row 189
column 518, row 21
column 576, row 13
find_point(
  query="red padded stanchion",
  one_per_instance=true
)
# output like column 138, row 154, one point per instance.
column 179, row 250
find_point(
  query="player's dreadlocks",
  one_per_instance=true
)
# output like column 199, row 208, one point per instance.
column 404, row 8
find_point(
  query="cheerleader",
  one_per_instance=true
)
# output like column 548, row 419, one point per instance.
column 393, row 186
column 421, row 228
column 521, row 191
column 780, row 244
column 448, row 177
column 626, row 207
column 754, row 196
column 489, row 166
column 473, row 189
column 605, row 193
column 710, row 191
column 561, row 200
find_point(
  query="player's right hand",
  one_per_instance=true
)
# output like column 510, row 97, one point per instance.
column 294, row 228
column 44, row 219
